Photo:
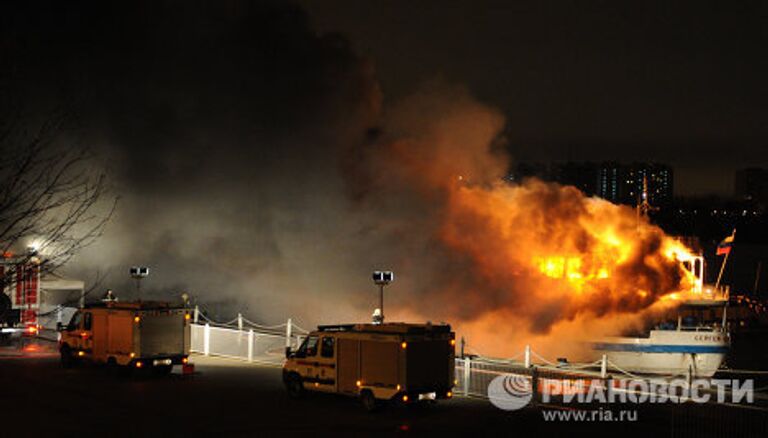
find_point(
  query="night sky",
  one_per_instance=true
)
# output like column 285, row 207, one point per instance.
column 232, row 131
column 676, row 82
column 681, row 83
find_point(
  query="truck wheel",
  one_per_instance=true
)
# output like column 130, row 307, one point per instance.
column 67, row 360
column 112, row 365
column 368, row 400
column 294, row 386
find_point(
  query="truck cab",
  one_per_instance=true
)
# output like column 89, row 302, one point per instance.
column 375, row 362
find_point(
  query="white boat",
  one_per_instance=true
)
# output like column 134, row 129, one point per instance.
column 696, row 345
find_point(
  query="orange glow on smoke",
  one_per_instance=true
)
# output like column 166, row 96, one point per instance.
column 545, row 260
column 510, row 263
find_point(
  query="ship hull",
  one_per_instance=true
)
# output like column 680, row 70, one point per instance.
column 667, row 352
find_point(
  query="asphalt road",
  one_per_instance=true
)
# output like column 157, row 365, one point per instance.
column 231, row 398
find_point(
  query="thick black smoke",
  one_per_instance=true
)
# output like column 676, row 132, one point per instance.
column 220, row 125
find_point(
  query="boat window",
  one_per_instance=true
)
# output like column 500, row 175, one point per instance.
column 692, row 322
column 668, row 325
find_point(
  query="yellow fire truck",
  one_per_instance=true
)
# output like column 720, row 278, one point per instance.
column 375, row 362
column 138, row 335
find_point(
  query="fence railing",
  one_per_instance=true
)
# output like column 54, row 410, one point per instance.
column 474, row 374
column 253, row 345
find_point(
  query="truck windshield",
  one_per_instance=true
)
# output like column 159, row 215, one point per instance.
column 308, row 347
column 74, row 323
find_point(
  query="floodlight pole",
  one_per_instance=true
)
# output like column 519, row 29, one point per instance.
column 381, row 279
column 138, row 273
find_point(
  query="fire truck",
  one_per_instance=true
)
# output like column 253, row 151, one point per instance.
column 31, row 300
column 21, row 292
column 398, row 362
column 145, row 334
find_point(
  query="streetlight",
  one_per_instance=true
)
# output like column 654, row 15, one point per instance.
column 381, row 279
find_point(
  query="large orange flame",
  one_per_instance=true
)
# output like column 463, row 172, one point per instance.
column 587, row 253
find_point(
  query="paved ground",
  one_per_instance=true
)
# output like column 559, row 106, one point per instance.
column 231, row 398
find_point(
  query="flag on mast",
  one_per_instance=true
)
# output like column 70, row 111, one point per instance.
column 725, row 246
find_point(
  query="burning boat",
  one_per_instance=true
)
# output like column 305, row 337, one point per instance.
column 693, row 346
column 693, row 343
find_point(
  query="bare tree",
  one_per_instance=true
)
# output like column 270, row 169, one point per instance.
column 51, row 198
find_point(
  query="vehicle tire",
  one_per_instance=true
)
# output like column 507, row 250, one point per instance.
column 368, row 400
column 162, row 370
column 294, row 386
column 112, row 365
column 67, row 359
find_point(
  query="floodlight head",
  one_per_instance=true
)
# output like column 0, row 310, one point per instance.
column 139, row 271
column 383, row 278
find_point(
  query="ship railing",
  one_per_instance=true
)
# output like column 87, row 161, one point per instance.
column 701, row 328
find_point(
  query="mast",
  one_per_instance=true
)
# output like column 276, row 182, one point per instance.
column 643, row 206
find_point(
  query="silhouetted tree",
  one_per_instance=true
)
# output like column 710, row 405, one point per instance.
column 49, row 193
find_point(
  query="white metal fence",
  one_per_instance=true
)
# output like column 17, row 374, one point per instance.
column 474, row 374
column 251, row 344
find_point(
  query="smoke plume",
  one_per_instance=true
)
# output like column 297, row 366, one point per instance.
column 477, row 249
column 259, row 171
